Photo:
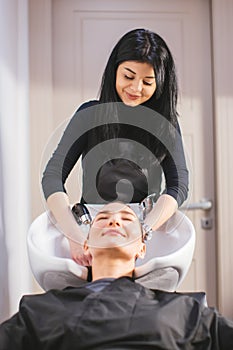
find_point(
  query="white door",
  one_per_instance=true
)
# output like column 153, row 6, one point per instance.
column 84, row 33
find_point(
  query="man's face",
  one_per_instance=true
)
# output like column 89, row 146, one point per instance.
column 116, row 225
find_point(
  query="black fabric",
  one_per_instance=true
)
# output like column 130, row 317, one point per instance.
column 125, row 167
column 124, row 315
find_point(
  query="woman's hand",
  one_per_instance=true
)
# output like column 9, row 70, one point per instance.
column 162, row 210
column 58, row 204
column 79, row 255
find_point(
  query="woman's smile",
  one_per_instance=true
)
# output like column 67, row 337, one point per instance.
column 132, row 97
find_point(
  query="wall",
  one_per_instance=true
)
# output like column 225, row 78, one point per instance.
column 222, row 14
column 14, row 123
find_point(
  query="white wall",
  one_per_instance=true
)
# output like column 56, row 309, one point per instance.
column 14, row 131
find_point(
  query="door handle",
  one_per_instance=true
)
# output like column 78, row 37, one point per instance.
column 204, row 204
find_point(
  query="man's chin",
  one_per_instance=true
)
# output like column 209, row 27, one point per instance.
column 114, row 250
column 113, row 243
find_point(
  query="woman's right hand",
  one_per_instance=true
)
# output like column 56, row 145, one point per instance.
column 59, row 205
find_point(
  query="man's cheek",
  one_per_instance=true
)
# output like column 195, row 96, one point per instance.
column 97, row 226
column 133, row 230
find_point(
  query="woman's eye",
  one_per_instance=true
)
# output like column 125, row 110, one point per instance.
column 146, row 83
column 129, row 78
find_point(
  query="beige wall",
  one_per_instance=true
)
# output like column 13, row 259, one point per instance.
column 14, row 138
column 222, row 11
column 40, row 27
column 41, row 125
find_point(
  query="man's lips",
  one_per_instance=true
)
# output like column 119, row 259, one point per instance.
column 113, row 232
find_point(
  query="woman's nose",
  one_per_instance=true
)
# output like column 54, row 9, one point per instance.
column 136, row 85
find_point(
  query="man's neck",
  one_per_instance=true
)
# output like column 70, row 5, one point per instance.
column 111, row 268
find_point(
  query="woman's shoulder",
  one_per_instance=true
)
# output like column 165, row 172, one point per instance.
column 88, row 104
column 81, row 110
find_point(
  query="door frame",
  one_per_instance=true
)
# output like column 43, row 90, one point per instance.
column 41, row 87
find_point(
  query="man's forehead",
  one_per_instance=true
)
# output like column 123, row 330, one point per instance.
column 116, row 207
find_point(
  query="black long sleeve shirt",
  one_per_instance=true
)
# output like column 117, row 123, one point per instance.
column 123, row 167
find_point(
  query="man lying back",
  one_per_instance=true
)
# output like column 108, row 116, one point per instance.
column 112, row 311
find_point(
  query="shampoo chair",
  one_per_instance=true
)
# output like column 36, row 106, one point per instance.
column 167, row 261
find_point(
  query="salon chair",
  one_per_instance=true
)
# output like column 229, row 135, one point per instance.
column 167, row 261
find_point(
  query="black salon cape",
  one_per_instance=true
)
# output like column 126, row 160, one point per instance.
column 124, row 315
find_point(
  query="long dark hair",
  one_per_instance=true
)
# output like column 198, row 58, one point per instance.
column 143, row 45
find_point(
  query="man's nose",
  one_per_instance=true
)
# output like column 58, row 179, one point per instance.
column 114, row 222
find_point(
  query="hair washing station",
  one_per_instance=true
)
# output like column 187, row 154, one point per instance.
column 167, row 261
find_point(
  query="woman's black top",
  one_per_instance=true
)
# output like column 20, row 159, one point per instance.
column 123, row 163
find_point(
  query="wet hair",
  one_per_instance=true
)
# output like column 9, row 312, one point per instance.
column 144, row 46
column 128, row 206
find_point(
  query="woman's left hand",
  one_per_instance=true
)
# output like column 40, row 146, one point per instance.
column 79, row 255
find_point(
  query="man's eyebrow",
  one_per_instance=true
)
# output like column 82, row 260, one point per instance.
column 131, row 71
column 111, row 212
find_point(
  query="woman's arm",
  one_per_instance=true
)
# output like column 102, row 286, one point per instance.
column 56, row 172
column 176, row 191
column 175, row 170
column 162, row 210
column 66, row 155
column 69, row 149
column 58, row 204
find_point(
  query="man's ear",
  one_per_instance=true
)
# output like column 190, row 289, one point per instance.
column 142, row 251
column 85, row 245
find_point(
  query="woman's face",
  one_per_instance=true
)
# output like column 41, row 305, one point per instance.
column 135, row 82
